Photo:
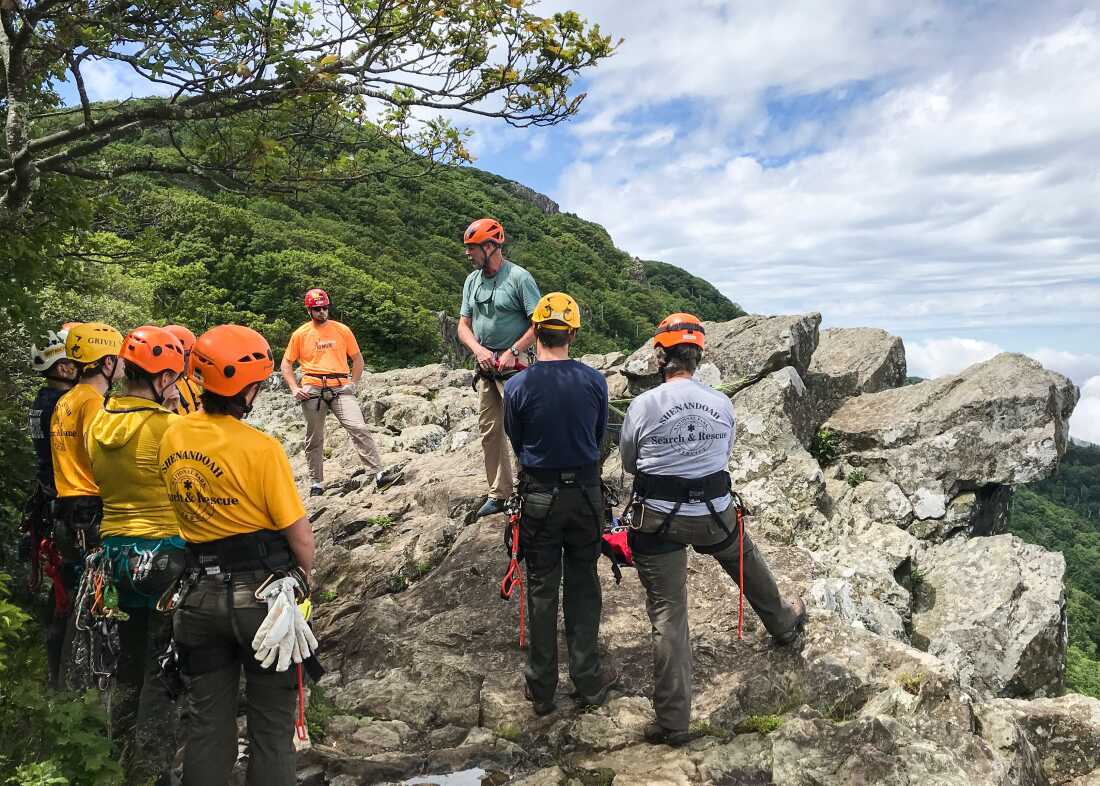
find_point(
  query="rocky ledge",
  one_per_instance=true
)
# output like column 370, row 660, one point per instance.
column 935, row 651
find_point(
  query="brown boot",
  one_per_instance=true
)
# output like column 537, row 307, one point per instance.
column 799, row 624
column 609, row 678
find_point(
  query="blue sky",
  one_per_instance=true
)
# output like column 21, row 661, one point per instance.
column 932, row 168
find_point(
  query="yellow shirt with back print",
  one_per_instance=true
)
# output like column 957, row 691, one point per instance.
column 226, row 478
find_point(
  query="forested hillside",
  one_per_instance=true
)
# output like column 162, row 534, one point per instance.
column 388, row 250
column 1062, row 513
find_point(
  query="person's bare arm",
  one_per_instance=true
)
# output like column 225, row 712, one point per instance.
column 357, row 366
column 287, row 368
column 299, row 536
column 483, row 356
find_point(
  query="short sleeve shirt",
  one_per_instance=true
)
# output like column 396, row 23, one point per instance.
column 226, row 478
column 322, row 349
column 500, row 307
column 72, row 469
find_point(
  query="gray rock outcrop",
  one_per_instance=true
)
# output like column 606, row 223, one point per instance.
column 743, row 350
column 994, row 609
column 851, row 361
column 995, row 424
column 919, row 622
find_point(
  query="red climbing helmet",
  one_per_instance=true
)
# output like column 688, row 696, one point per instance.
column 317, row 298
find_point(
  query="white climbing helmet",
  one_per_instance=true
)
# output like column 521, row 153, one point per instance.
column 53, row 350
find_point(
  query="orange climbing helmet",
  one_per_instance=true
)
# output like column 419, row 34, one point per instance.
column 185, row 336
column 484, row 230
column 679, row 328
column 228, row 358
column 153, row 350
column 317, row 298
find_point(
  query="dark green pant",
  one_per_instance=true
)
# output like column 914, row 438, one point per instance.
column 143, row 713
column 560, row 537
column 215, row 641
column 663, row 572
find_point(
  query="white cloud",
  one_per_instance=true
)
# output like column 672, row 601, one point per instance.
column 1085, row 423
column 940, row 357
column 910, row 170
column 1078, row 367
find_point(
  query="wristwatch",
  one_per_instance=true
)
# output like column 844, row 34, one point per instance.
column 514, row 350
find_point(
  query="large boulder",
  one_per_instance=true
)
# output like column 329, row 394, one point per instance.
column 851, row 361
column 1064, row 732
column 994, row 609
column 770, row 466
column 742, row 350
column 1004, row 421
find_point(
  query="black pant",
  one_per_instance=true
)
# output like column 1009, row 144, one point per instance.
column 562, row 529
column 214, row 626
column 143, row 713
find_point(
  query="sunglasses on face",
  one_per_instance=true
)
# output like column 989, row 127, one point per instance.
column 318, row 308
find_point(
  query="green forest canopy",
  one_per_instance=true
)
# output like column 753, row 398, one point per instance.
column 1062, row 513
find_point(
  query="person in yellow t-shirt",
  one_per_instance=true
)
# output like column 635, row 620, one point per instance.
column 188, row 392
column 239, row 512
column 322, row 346
column 141, row 539
column 94, row 347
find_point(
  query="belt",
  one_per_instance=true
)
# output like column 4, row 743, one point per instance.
column 588, row 475
column 672, row 488
column 260, row 550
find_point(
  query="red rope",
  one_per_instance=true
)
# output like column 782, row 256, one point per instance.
column 300, row 721
column 740, row 571
column 513, row 578
column 51, row 563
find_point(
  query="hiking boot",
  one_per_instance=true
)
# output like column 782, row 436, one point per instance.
column 490, row 507
column 541, row 708
column 609, row 679
column 656, row 734
column 799, row 625
column 388, row 477
column 316, row 490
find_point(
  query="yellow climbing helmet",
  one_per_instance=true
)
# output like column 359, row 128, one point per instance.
column 90, row 341
column 557, row 311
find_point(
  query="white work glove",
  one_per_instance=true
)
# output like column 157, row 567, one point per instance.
column 283, row 637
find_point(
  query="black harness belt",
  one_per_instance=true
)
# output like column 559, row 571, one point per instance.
column 260, row 550
column 679, row 490
column 576, row 476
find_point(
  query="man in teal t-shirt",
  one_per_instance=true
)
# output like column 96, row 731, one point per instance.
column 498, row 299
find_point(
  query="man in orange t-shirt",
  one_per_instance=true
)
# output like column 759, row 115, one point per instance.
column 322, row 347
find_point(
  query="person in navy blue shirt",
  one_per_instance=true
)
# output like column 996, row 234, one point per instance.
column 555, row 413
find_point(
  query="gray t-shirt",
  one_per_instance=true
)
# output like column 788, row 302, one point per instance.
column 500, row 307
column 682, row 428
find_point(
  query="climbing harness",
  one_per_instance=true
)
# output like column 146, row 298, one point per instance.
column 513, row 577
column 496, row 373
column 327, row 394
column 679, row 490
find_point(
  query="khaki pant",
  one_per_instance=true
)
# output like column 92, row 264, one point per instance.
column 346, row 409
column 662, row 569
column 215, row 641
column 499, row 472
